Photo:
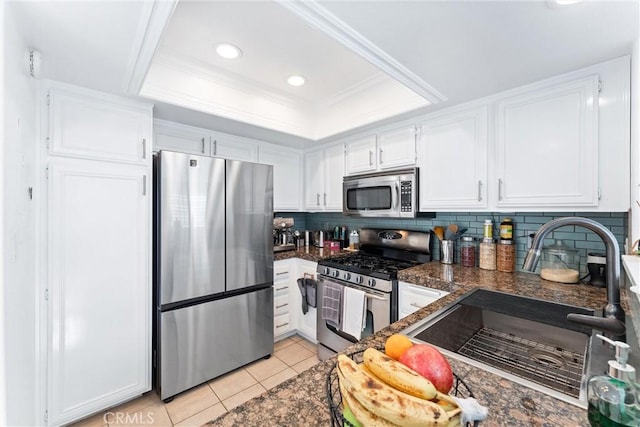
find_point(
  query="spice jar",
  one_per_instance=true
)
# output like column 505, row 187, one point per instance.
column 468, row 252
column 506, row 229
column 487, row 229
column 487, row 254
column 506, row 256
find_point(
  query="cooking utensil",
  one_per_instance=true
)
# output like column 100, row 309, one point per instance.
column 439, row 232
column 451, row 230
column 459, row 233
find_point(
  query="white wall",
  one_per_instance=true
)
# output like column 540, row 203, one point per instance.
column 3, row 395
column 18, row 223
column 634, row 220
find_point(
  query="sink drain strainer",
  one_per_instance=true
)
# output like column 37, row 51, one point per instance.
column 553, row 367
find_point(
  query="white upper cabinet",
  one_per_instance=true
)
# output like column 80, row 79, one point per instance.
column 287, row 176
column 547, row 146
column 193, row 140
column 323, row 173
column 388, row 149
column 452, row 160
column 234, row 147
column 397, row 147
column 92, row 125
column 184, row 139
column 360, row 155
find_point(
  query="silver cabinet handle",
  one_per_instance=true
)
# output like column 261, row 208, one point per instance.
column 282, row 324
column 281, row 273
column 144, row 185
column 380, row 159
column 413, row 304
column 282, row 305
column 325, row 199
column 202, row 149
column 282, row 289
column 500, row 189
column 144, row 148
column 215, row 147
column 479, row 191
column 318, row 198
column 370, row 158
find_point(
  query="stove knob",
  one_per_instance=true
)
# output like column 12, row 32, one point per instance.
column 358, row 279
column 326, row 271
column 372, row 283
column 346, row 276
column 336, row 274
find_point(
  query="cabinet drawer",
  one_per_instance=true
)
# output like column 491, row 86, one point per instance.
column 412, row 298
column 280, row 289
column 280, row 272
column 281, row 305
column 281, row 324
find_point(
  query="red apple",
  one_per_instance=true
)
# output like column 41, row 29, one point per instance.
column 431, row 364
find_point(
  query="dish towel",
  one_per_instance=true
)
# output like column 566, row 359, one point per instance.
column 353, row 312
column 332, row 303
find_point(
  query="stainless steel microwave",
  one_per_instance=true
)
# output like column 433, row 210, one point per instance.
column 391, row 194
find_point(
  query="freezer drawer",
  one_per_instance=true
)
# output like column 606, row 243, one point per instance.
column 204, row 341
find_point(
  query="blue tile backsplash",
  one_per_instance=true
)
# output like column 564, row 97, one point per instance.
column 525, row 223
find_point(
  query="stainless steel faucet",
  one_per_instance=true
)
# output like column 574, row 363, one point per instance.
column 613, row 320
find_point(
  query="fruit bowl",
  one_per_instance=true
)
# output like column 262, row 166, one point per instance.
column 459, row 389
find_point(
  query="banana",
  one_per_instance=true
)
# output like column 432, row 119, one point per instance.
column 385, row 401
column 365, row 417
column 402, row 377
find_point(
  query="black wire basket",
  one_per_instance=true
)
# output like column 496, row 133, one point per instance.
column 459, row 389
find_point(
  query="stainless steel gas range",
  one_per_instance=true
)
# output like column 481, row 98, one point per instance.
column 374, row 271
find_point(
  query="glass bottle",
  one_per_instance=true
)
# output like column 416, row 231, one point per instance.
column 468, row 251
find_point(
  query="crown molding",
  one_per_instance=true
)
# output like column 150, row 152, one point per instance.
column 151, row 27
column 323, row 20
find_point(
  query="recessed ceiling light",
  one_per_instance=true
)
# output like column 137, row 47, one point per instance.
column 228, row 51
column 296, row 80
column 555, row 4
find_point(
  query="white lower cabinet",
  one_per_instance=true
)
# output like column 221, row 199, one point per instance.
column 288, row 316
column 304, row 323
column 281, row 298
column 412, row 298
column 99, row 290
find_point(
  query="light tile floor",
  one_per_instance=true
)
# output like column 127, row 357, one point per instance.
column 208, row 401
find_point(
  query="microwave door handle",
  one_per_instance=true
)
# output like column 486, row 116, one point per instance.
column 395, row 203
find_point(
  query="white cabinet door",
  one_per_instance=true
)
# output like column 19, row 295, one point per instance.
column 287, row 176
column 360, row 155
column 397, row 147
column 412, row 298
column 85, row 124
column 452, row 157
column 183, row 139
column 233, row 148
column 547, row 147
column 333, row 175
column 305, row 323
column 314, row 180
column 99, row 286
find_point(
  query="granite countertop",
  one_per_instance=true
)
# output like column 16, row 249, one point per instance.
column 308, row 253
column 302, row 400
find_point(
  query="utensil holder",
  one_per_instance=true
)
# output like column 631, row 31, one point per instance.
column 446, row 251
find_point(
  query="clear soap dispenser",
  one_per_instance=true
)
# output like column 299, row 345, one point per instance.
column 613, row 398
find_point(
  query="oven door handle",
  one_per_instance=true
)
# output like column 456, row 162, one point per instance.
column 371, row 296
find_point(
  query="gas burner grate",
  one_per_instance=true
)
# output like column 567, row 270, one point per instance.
column 552, row 367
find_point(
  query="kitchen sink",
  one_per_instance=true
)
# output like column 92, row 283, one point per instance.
column 526, row 340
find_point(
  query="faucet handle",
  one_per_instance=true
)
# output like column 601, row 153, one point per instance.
column 605, row 324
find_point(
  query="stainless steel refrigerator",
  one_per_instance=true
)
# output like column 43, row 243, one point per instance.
column 213, row 268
